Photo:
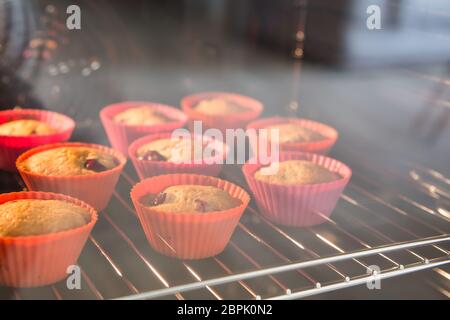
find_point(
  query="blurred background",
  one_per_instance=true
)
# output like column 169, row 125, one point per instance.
column 387, row 91
column 317, row 59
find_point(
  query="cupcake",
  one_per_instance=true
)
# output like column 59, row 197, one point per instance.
column 163, row 154
column 293, row 172
column 296, row 134
column 23, row 129
column 220, row 107
column 300, row 190
column 143, row 115
column 85, row 171
column 34, row 217
column 188, row 216
column 41, row 235
column 191, row 198
column 126, row 121
column 221, row 110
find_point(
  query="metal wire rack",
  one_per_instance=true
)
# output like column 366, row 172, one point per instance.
column 370, row 235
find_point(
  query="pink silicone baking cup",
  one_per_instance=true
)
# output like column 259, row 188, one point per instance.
column 321, row 147
column 149, row 168
column 95, row 189
column 12, row 146
column 121, row 135
column 298, row 205
column 231, row 121
column 188, row 235
column 32, row 261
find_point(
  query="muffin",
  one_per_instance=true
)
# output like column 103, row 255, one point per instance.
column 128, row 121
column 69, row 161
column 84, row 171
column 193, row 199
column 221, row 110
column 291, row 132
column 295, row 135
column 41, row 235
column 163, row 154
column 30, row 217
column 188, row 216
column 219, row 107
column 172, row 150
column 141, row 115
column 303, row 192
column 25, row 127
column 298, row 172
column 176, row 150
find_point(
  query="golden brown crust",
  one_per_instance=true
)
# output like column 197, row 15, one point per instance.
column 67, row 161
column 173, row 150
column 25, row 127
column 141, row 115
column 219, row 107
column 298, row 172
column 30, row 217
column 195, row 199
column 292, row 132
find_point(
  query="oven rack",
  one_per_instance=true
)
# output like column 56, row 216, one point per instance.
column 396, row 234
column 347, row 282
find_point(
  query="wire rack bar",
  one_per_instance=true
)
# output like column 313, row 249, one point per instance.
column 287, row 267
column 359, row 281
column 347, row 244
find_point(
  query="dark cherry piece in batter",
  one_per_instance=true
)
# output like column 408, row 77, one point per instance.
column 153, row 156
column 159, row 199
column 200, row 205
column 94, row 165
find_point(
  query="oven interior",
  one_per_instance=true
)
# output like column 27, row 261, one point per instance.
column 386, row 91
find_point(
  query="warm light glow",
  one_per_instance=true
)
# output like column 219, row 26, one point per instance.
column 298, row 52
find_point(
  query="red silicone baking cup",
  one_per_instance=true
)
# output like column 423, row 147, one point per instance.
column 321, row 147
column 188, row 235
column 298, row 205
column 121, row 135
column 12, row 146
column 95, row 189
column 231, row 121
column 149, row 168
column 32, row 261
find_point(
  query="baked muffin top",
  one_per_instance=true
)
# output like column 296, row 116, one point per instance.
column 69, row 161
column 219, row 107
column 30, row 217
column 25, row 127
column 298, row 172
column 292, row 132
column 171, row 150
column 141, row 115
column 192, row 199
